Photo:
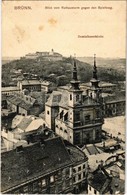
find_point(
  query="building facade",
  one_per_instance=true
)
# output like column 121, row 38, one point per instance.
column 43, row 168
column 9, row 90
column 74, row 116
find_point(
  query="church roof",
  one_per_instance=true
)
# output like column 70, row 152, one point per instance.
column 54, row 98
column 64, row 99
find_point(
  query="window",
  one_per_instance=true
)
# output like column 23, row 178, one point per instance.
column 74, row 180
column 61, row 114
column 79, row 176
column 25, row 189
column 43, row 182
column 51, row 179
column 35, row 186
column 87, row 118
column 77, row 116
column 84, row 166
column 70, row 97
column 17, row 192
column 77, row 138
column 90, row 188
column 67, row 171
column 77, row 98
column 47, row 112
column 84, row 174
column 30, row 187
column 79, row 168
column 95, row 192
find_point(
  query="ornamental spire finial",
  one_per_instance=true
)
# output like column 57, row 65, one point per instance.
column 95, row 68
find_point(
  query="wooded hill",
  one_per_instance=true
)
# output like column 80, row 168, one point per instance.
column 60, row 72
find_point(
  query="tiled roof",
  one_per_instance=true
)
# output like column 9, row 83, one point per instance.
column 88, row 101
column 16, row 120
column 114, row 98
column 4, row 89
column 76, row 154
column 100, row 180
column 33, row 161
column 14, row 100
column 64, row 99
column 25, row 122
column 30, row 82
column 25, row 105
column 39, row 96
column 54, row 98
column 18, row 101
column 35, row 124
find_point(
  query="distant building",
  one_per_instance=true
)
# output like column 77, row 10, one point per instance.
column 54, row 56
column 31, row 56
column 113, row 102
column 114, row 105
column 99, row 182
column 30, row 85
column 27, row 103
column 35, row 85
column 44, row 168
column 109, row 177
column 74, row 116
column 115, row 165
column 9, row 90
column 105, row 87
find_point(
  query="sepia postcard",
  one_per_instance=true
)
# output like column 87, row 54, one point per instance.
column 63, row 97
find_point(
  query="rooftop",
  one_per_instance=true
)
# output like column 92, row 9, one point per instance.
column 102, row 84
column 27, row 123
column 76, row 154
column 54, row 98
column 32, row 161
column 100, row 180
column 31, row 82
column 4, row 89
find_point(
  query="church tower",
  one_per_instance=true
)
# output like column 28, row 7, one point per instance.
column 75, row 94
column 95, row 89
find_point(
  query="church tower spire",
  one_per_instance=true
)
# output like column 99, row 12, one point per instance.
column 94, row 80
column 75, row 93
column 74, row 82
column 95, row 68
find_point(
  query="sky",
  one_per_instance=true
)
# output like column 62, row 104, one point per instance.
column 40, row 29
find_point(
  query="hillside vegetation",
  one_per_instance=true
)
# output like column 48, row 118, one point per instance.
column 60, row 72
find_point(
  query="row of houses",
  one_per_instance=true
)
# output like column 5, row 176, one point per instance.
column 46, row 167
column 30, row 85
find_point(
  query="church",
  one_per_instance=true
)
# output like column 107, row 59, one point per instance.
column 74, row 115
